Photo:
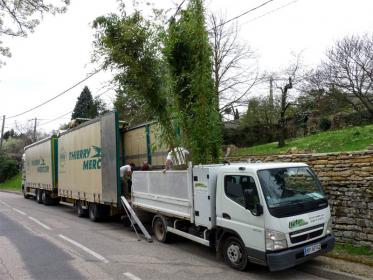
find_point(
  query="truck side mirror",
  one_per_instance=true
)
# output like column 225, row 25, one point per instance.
column 255, row 208
column 248, row 196
column 258, row 210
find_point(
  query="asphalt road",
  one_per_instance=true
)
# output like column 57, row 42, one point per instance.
column 51, row 242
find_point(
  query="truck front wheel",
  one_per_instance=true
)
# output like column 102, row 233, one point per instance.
column 39, row 194
column 234, row 253
column 25, row 195
column 160, row 229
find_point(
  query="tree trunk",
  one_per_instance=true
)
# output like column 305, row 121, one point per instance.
column 282, row 134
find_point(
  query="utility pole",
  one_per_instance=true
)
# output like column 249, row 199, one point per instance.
column 2, row 133
column 35, row 129
column 271, row 92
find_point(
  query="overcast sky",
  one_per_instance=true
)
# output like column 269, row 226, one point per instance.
column 57, row 55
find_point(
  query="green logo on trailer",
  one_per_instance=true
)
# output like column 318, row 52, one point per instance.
column 95, row 161
column 89, row 162
column 42, row 167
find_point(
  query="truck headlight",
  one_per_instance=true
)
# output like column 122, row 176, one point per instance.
column 275, row 240
column 329, row 229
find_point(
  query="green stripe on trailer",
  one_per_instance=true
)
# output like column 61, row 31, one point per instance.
column 118, row 141
column 148, row 144
column 54, row 154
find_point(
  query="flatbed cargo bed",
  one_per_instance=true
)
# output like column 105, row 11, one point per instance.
column 169, row 193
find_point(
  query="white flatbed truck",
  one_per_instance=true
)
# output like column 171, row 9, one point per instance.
column 273, row 214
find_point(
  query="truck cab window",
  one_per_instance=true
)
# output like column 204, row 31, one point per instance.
column 235, row 185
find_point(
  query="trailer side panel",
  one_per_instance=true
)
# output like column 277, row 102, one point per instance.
column 39, row 169
column 79, row 169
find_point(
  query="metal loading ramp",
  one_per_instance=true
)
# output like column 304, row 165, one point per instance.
column 135, row 220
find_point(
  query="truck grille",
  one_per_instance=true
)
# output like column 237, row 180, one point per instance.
column 309, row 233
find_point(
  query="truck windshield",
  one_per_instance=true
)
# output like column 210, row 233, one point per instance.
column 292, row 186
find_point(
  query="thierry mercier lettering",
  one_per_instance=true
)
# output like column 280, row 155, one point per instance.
column 93, row 162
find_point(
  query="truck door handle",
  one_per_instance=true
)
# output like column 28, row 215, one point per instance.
column 226, row 216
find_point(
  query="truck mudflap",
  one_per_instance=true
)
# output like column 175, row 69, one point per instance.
column 293, row 256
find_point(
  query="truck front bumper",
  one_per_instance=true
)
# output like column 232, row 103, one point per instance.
column 293, row 256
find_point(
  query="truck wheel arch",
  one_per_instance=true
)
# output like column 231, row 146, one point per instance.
column 221, row 235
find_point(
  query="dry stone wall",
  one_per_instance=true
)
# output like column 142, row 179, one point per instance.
column 348, row 181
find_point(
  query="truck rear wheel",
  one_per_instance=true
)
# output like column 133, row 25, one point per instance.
column 234, row 253
column 80, row 210
column 93, row 210
column 160, row 229
column 39, row 194
column 45, row 198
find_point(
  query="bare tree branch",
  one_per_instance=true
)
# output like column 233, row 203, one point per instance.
column 234, row 64
column 19, row 17
column 349, row 68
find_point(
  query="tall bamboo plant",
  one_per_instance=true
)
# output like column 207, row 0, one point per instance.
column 130, row 46
column 189, row 56
column 170, row 71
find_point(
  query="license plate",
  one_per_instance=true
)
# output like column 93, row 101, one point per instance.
column 312, row 249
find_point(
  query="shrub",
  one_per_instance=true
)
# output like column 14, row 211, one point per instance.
column 8, row 168
column 325, row 124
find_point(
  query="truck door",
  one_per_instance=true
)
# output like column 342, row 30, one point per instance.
column 231, row 212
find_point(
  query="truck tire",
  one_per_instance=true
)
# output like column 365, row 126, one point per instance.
column 93, row 211
column 160, row 228
column 45, row 198
column 25, row 195
column 80, row 211
column 39, row 193
column 234, row 253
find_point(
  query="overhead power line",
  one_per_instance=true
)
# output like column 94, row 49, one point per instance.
column 271, row 11
column 57, row 118
column 58, row 95
column 243, row 14
column 70, row 112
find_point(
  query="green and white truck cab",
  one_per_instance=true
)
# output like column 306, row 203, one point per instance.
column 282, row 215
column 273, row 214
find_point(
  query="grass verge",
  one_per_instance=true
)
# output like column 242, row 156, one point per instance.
column 349, row 252
column 13, row 184
column 343, row 140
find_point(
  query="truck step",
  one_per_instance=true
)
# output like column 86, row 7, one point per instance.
column 189, row 236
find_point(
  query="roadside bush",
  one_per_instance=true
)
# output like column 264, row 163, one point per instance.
column 246, row 136
column 325, row 124
column 8, row 168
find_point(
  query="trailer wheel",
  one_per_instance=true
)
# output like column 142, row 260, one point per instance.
column 39, row 194
column 45, row 198
column 80, row 211
column 160, row 229
column 93, row 210
column 234, row 253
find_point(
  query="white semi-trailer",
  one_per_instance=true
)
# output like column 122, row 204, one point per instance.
column 274, row 214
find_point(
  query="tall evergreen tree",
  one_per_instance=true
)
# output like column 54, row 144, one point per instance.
column 85, row 107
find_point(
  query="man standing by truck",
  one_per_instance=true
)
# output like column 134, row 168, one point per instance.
column 126, row 175
column 176, row 157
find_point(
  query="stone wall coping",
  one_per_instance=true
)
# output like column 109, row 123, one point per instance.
column 352, row 153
